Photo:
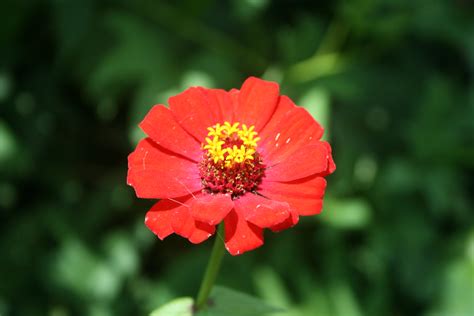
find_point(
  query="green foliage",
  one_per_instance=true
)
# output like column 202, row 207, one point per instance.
column 222, row 301
column 391, row 81
column 182, row 306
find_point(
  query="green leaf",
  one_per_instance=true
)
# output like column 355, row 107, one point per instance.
column 347, row 213
column 458, row 286
column 8, row 145
column 223, row 301
column 344, row 300
column 228, row 302
column 182, row 306
column 271, row 287
column 317, row 102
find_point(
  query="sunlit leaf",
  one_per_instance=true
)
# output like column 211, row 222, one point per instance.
column 344, row 301
column 224, row 301
column 317, row 102
column 346, row 213
column 178, row 307
column 271, row 287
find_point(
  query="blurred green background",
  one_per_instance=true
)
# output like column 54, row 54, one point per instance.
column 392, row 82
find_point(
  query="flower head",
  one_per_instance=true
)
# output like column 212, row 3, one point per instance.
column 248, row 157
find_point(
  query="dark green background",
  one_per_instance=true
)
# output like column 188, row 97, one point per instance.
column 392, row 82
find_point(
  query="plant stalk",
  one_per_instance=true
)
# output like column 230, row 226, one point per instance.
column 212, row 269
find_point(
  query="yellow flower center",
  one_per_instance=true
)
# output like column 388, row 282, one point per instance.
column 231, row 163
column 228, row 144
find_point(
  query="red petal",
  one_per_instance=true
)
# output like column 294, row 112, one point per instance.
column 284, row 106
column 262, row 211
column 257, row 102
column 304, row 195
column 289, row 222
column 184, row 225
column 155, row 172
column 290, row 129
column 240, row 235
column 158, row 218
column 225, row 103
column 307, row 161
column 168, row 216
column 195, row 111
column 331, row 164
column 234, row 96
column 211, row 209
column 161, row 126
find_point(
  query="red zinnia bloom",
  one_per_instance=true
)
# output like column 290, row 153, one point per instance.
column 251, row 158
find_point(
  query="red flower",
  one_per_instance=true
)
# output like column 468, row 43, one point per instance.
column 250, row 158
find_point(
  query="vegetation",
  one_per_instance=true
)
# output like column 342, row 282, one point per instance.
column 392, row 82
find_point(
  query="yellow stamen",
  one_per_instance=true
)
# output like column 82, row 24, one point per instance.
column 221, row 134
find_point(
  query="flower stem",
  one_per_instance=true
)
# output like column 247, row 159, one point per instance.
column 211, row 270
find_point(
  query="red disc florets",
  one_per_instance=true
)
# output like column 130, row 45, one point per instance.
column 231, row 163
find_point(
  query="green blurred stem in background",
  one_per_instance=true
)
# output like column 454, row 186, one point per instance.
column 327, row 59
column 212, row 269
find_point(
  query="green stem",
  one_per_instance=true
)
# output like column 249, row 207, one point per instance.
column 212, row 269
column 327, row 59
